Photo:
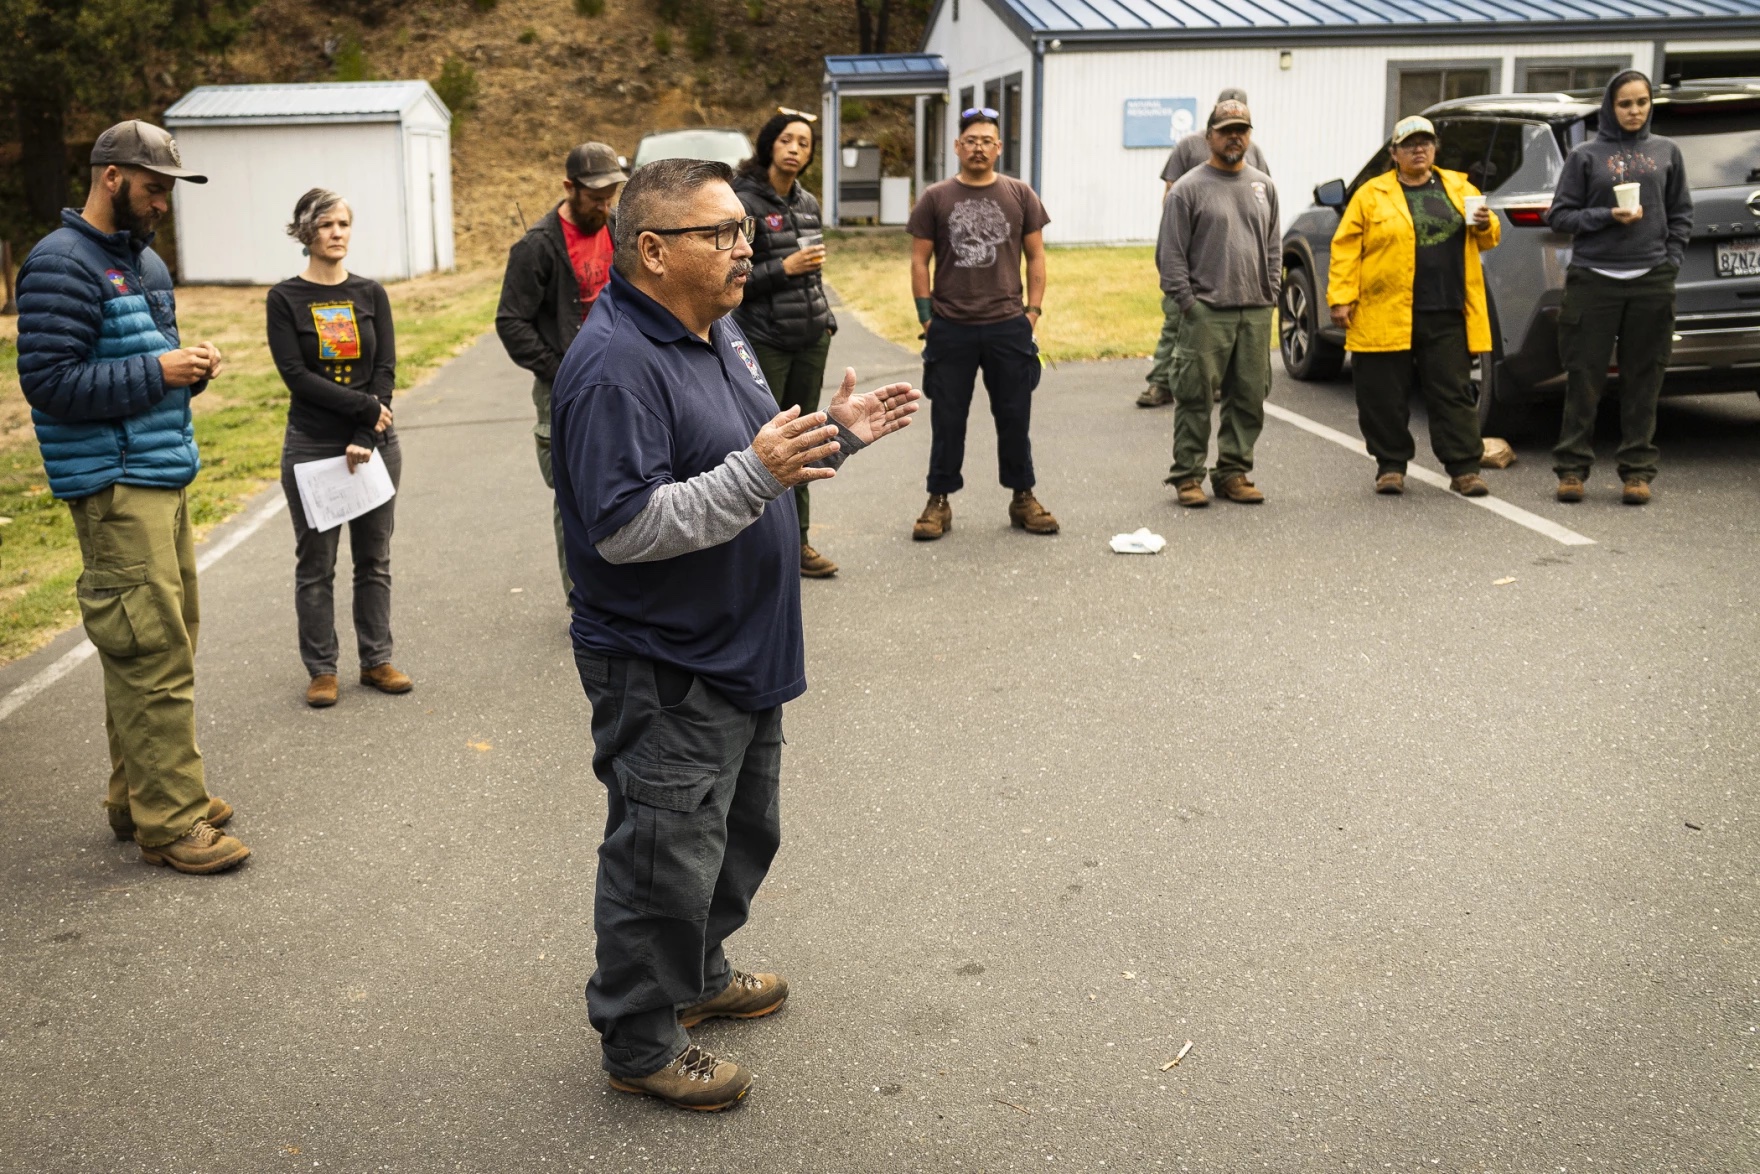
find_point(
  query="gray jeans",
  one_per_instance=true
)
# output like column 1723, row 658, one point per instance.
column 692, row 822
column 314, row 573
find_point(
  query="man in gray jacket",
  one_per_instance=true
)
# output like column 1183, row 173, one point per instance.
column 1220, row 263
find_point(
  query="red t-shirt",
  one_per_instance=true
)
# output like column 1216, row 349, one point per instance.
column 590, row 254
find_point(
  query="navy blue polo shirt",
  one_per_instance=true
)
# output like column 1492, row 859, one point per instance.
column 641, row 402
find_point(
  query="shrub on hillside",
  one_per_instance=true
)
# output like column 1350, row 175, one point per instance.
column 699, row 37
column 590, row 7
column 662, row 41
column 457, row 87
column 669, row 10
column 349, row 62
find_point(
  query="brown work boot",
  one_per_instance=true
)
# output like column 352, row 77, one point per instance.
column 1470, row 485
column 1191, row 493
column 696, row 1080
column 815, row 565
column 1570, row 487
column 935, row 520
column 122, row 823
column 1238, row 488
column 748, row 996
column 1154, row 396
column 1025, row 513
column 386, row 679
column 204, row 848
column 1636, row 491
column 321, row 693
column 1391, row 483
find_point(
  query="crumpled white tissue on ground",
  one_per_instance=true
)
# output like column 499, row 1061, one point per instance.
column 1142, row 542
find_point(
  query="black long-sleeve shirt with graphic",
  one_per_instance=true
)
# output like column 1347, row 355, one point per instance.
column 336, row 349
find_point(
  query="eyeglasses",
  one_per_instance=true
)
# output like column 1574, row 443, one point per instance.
column 977, row 110
column 724, row 232
column 800, row 114
column 986, row 141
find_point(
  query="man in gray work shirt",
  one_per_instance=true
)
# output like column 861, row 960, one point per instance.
column 1191, row 151
column 1219, row 261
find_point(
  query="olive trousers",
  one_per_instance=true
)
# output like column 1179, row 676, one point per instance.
column 137, row 594
column 1230, row 348
column 541, row 435
column 796, row 379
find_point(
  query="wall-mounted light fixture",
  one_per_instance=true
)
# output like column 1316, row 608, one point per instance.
column 1056, row 44
column 1286, row 60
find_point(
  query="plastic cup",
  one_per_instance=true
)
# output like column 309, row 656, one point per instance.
column 1472, row 205
column 811, row 240
column 1626, row 194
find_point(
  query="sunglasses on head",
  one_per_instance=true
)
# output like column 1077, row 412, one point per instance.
column 977, row 110
column 800, row 114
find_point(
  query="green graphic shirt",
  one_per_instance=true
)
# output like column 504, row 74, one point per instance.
column 1440, row 279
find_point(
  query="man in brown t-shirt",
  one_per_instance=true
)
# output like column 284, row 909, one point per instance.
column 978, row 225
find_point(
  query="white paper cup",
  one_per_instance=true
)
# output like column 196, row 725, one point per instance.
column 1472, row 204
column 1626, row 194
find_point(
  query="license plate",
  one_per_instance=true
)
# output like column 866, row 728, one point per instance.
column 1738, row 259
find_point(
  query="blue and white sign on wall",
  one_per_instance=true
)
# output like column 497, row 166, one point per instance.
column 1158, row 122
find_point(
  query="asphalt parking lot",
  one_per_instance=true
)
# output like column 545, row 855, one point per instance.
column 1436, row 835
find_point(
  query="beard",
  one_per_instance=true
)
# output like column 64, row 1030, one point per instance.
column 126, row 218
column 1233, row 155
column 588, row 218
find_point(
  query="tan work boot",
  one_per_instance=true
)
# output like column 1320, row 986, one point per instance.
column 1570, row 487
column 935, row 520
column 1470, row 485
column 386, row 679
column 1238, row 488
column 696, row 1080
column 1636, row 491
column 815, row 565
column 122, row 823
column 1025, row 513
column 1154, row 396
column 748, row 996
column 1390, row 483
column 202, row 849
column 1191, row 493
column 321, row 693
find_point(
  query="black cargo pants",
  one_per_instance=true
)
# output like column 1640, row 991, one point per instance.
column 1441, row 366
column 953, row 353
column 692, row 822
column 1603, row 317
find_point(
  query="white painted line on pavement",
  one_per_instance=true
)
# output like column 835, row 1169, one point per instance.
column 82, row 651
column 1496, row 505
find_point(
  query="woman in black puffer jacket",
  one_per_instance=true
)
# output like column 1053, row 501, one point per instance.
column 785, row 314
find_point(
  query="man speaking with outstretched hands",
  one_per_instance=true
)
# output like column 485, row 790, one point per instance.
column 672, row 468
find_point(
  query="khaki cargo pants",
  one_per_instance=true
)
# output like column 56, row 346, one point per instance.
column 138, row 597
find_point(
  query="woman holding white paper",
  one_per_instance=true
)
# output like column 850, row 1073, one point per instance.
column 333, row 341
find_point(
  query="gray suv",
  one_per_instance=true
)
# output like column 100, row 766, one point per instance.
column 1512, row 147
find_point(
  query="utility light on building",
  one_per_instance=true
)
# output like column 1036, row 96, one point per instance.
column 1286, row 60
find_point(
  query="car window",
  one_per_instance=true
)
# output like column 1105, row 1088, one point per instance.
column 1464, row 145
column 1524, row 157
column 1720, row 146
column 728, row 146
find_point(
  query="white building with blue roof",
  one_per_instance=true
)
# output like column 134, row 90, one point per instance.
column 1093, row 92
column 385, row 146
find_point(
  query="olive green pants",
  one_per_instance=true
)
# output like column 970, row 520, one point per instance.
column 541, row 433
column 1161, row 373
column 795, row 377
column 1603, row 317
column 1228, row 348
column 138, row 597
column 1442, row 368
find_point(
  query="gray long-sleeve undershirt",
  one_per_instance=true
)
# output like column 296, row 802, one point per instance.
column 709, row 509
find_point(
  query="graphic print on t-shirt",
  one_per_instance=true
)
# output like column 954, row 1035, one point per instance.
column 339, row 335
column 745, row 356
column 975, row 227
column 1433, row 217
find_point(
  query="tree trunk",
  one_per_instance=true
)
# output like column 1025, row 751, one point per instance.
column 864, row 27
column 880, row 25
column 42, row 138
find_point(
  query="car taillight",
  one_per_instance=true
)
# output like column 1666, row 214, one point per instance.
column 1527, row 215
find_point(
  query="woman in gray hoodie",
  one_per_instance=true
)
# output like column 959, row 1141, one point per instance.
column 1619, row 289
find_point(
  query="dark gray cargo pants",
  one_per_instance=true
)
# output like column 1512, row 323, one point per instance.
column 692, row 822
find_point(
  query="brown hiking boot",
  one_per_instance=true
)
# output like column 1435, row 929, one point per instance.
column 815, row 565
column 1238, row 488
column 204, row 848
column 386, row 679
column 321, row 693
column 748, row 996
column 1154, row 396
column 1636, row 491
column 1570, row 487
column 696, row 1080
column 1025, row 513
column 1470, row 485
column 935, row 520
column 122, row 823
column 1391, row 483
column 1191, row 493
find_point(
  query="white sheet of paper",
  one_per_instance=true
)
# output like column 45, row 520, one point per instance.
column 331, row 495
column 1140, row 542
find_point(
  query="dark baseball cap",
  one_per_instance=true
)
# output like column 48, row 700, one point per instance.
column 1230, row 113
column 141, row 144
column 1232, row 94
column 595, row 165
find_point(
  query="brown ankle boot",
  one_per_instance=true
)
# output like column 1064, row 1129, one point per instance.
column 321, row 693
column 386, row 679
column 1470, row 485
column 696, row 1080
column 1238, row 488
column 1025, row 513
column 1570, row 487
column 1635, row 492
column 202, row 849
column 815, row 565
column 935, row 520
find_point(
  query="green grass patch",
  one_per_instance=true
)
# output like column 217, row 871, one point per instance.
column 238, row 426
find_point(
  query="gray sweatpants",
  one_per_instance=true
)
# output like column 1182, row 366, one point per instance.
column 314, row 573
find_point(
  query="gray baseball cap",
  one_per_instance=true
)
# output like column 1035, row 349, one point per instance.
column 594, row 165
column 1233, row 94
column 141, row 144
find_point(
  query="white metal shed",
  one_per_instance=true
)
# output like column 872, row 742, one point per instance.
column 385, row 146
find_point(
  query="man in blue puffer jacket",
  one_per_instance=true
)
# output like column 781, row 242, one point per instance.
column 109, row 388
